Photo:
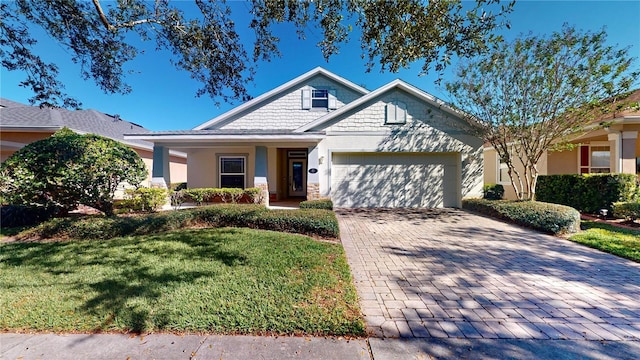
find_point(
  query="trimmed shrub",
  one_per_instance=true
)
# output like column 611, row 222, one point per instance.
column 588, row 193
column 627, row 210
column 317, row 222
column 18, row 215
column 493, row 191
column 311, row 222
column 223, row 195
column 143, row 199
column 550, row 218
column 324, row 204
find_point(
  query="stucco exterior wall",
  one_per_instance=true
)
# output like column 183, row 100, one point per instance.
column 562, row 162
column 285, row 111
column 202, row 165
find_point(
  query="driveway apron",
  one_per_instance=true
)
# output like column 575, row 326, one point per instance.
column 450, row 274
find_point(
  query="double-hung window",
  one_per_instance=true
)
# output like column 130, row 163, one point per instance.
column 318, row 99
column 232, row 171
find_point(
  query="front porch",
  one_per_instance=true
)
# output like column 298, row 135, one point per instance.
column 284, row 169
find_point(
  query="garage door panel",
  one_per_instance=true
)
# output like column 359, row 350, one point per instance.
column 394, row 180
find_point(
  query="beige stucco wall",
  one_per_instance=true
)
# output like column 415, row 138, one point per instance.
column 562, row 162
column 491, row 165
column 202, row 165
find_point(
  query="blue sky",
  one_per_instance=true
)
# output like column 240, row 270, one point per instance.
column 163, row 98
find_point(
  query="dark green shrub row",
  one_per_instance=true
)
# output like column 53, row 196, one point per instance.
column 311, row 222
column 493, row 191
column 325, row 204
column 627, row 210
column 549, row 218
column 18, row 215
column 143, row 199
column 222, row 195
column 588, row 193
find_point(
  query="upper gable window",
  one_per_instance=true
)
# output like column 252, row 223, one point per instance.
column 318, row 99
column 396, row 113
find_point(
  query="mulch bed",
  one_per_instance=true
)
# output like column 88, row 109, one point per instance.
column 621, row 223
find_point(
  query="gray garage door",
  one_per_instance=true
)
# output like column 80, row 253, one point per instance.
column 395, row 180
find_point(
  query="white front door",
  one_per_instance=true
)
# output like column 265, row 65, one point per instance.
column 297, row 177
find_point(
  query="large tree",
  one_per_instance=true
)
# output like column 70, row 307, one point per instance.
column 68, row 169
column 103, row 36
column 534, row 94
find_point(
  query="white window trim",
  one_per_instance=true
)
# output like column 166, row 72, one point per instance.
column 308, row 98
column 589, row 167
column 220, row 173
column 499, row 168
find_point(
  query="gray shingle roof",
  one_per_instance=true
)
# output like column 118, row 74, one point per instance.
column 14, row 114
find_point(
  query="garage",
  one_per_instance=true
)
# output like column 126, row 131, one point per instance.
column 395, row 180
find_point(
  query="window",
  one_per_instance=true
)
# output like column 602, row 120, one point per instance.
column 595, row 159
column 396, row 113
column 319, row 99
column 232, row 171
column 503, row 173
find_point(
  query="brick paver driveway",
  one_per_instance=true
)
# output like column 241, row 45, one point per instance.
column 448, row 273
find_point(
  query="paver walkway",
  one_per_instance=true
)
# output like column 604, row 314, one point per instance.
column 450, row 274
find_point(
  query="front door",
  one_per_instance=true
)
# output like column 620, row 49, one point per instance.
column 297, row 177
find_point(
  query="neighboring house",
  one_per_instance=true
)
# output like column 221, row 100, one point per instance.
column 320, row 135
column 611, row 149
column 22, row 124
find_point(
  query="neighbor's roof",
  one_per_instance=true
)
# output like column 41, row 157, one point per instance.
column 19, row 117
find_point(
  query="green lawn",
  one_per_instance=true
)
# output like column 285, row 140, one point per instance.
column 225, row 280
column 614, row 240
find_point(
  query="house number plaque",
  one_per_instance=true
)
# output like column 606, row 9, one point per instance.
column 313, row 171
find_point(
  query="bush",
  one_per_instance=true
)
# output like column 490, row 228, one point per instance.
column 588, row 193
column 549, row 218
column 627, row 210
column 311, row 222
column 69, row 169
column 143, row 199
column 493, row 191
column 223, row 195
column 18, row 215
column 324, row 204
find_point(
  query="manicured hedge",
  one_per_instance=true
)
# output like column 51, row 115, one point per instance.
column 588, row 193
column 549, row 218
column 311, row 222
column 325, row 204
column 142, row 199
column 222, row 195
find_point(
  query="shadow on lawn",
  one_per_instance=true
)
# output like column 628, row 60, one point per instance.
column 126, row 276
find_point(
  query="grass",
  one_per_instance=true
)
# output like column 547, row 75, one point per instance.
column 621, row 242
column 224, row 280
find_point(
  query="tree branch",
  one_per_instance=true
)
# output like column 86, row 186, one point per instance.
column 103, row 17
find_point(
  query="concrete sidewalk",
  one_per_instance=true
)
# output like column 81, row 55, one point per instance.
column 166, row 346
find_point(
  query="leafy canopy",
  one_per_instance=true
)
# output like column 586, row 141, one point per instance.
column 204, row 41
column 534, row 94
column 68, row 169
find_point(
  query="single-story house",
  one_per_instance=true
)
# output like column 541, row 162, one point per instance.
column 612, row 147
column 322, row 136
column 21, row 124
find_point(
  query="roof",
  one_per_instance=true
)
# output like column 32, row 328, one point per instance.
column 280, row 89
column 20, row 117
column 395, row 84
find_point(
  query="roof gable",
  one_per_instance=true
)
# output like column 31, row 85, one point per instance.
column 278, row 91
column 371, row 97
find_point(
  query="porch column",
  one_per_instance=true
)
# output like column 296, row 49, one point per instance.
column 160, row 176
column 614, row 151
column 628, row 152
column 260, row 175
column 313, row 175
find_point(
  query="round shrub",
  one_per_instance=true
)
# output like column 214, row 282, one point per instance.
column 493, row 191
